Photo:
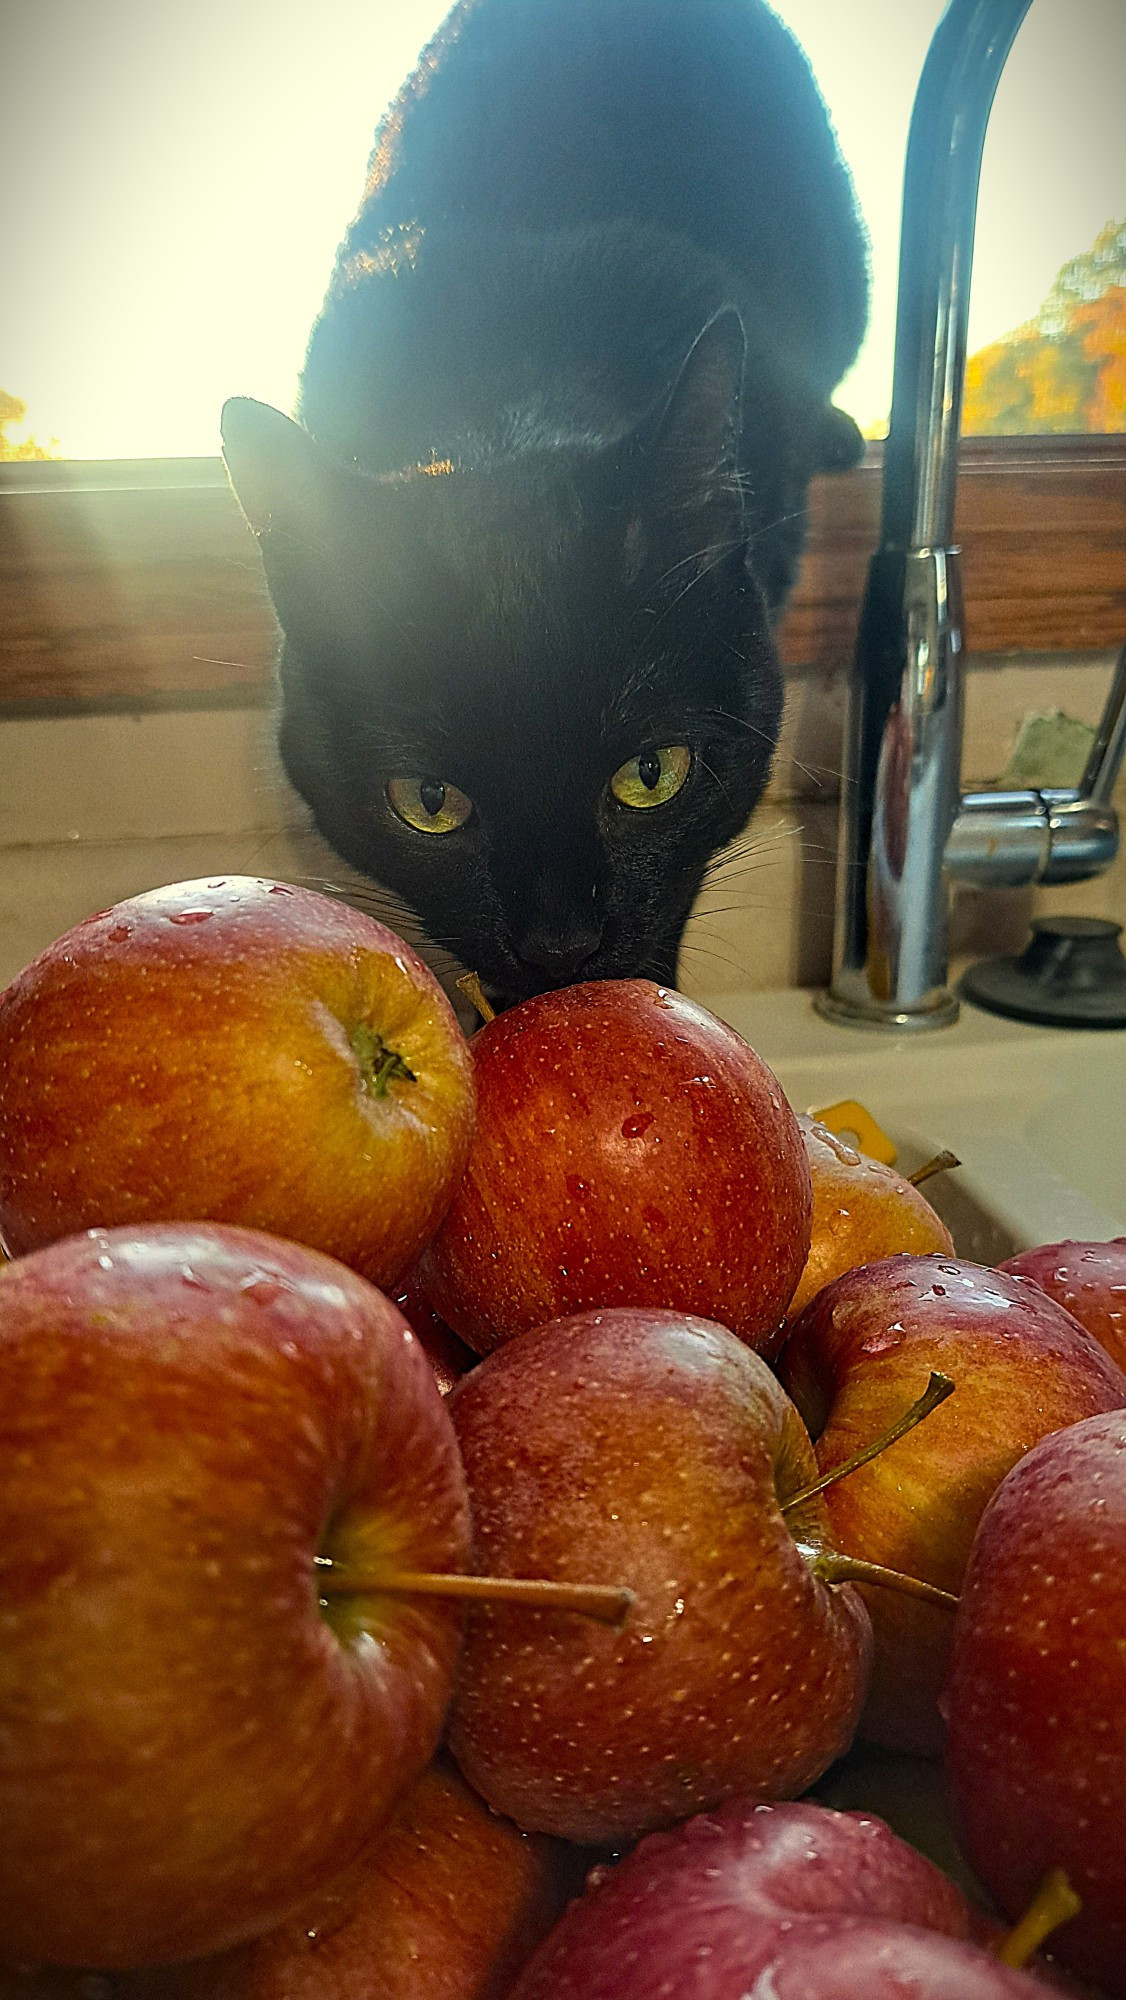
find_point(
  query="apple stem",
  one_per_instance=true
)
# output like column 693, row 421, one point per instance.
column 607, row 1602
column 392, row 1065
column 1054, row 1903
column 833, row 1566
column 471, row 986
column 936, row 1392
column 378, row 1063
column 941, row 1164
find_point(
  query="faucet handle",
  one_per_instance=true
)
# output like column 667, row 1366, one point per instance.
column 1009, row 839
column 1105, row 761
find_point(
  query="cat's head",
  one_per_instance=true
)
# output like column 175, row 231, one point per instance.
column 532, row 692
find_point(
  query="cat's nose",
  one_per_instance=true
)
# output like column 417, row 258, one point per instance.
column 560, row 957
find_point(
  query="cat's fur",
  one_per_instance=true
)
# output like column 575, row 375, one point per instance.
column 570, row 382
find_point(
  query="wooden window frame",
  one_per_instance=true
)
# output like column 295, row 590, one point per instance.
column 136, row 583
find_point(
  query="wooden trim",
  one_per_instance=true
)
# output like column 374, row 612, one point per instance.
column 1042, row 525
column 138, row 583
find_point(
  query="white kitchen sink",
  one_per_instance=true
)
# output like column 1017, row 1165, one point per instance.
column 1037, row 1116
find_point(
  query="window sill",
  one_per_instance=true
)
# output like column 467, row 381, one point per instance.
column 137, row 583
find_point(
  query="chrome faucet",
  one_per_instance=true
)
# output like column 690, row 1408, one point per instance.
column 905, row 825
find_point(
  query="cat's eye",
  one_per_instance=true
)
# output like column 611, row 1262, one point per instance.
column 653, row 778
column 428, row 805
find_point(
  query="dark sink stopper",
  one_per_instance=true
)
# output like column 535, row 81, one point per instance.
column 1071, row 974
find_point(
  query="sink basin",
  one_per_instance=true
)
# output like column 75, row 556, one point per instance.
column 1037, row 1116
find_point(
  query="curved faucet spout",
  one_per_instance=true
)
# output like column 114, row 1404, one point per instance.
column 940, row 186
column 902, row 768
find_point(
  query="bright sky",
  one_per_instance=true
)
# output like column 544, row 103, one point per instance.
column 176, row 178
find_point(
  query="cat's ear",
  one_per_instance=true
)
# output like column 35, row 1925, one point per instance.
column 692, row 459
column 279, row 473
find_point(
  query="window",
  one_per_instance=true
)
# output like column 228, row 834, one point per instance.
column 177, row 178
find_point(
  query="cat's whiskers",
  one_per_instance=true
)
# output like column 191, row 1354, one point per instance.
column 740, row 721
column 369, row 897
column 716, row 779
column 779, row 521
column 706, row 560
column 814, row 772
column 754, row 843
column 692, row 948
column 735, row 871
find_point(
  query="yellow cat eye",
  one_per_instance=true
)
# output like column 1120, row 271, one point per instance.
column 653, row 778
column 428, row 805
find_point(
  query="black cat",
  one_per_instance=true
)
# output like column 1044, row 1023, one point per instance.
column 547, row 489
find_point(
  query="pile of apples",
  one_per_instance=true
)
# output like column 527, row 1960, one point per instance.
column 448, row 1517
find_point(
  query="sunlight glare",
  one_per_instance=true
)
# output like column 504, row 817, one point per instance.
column 186, row 173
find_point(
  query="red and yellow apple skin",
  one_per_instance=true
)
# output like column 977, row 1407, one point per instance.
column 189, row 1417
column 1036, row 1701
column 223, row 1051
column 862, row 1211
column 445, row 1902
column 1088, row 1280
column 858, row 1356
column 631, row 1150
column 652, row 1450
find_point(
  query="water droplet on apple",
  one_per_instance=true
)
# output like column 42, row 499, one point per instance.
column 633, row 1128
column 105, row 1263
column 880, row 1343
column 192, row 1278
column 189, row 916
column 119, row 933
column 279, row 889
column 262, row 1288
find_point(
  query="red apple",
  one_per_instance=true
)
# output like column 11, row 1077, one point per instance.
column 1036, row 1702
column 237, row 1051
column 653, row 1450
column 858, row 1356
column 445, row 1902
column 770, row 1902
column 630, row 1150
column 189, row 1742
column 1089, row 1280
column 862, row 1211
column 448, row 1356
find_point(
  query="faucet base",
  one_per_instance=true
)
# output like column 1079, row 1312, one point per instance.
column 1071, row 975
column 876, row 1016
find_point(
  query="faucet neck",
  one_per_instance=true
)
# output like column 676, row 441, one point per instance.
column 940, row 188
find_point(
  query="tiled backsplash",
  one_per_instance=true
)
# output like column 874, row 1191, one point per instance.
column 96, row 807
